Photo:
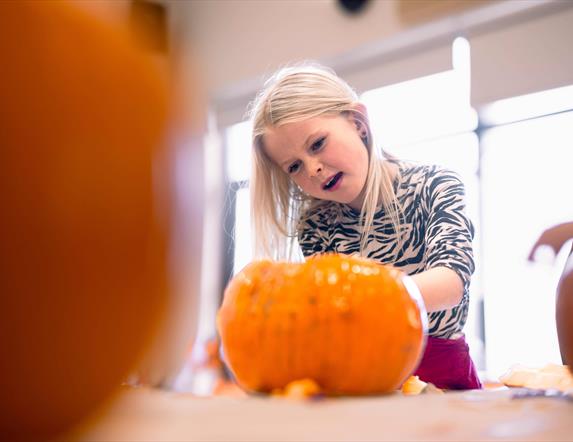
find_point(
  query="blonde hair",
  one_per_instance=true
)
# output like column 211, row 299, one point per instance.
column 294, row 94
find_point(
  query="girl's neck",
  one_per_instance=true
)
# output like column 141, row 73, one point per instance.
column 389, row 167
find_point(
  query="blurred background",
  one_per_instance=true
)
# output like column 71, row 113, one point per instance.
column 482, row 87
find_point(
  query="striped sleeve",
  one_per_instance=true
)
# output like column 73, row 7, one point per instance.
column 449, row 230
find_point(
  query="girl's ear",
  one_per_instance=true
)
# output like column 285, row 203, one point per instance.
column 360, row 117
column 361, row 109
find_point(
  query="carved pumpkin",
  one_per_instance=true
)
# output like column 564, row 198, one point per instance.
column 349, row 324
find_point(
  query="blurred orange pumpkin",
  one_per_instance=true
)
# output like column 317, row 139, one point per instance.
column 351, row 325
column 84, row 250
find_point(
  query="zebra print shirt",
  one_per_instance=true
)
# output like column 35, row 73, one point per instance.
column 437, row 233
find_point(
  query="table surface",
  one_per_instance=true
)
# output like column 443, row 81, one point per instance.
column 147, row 414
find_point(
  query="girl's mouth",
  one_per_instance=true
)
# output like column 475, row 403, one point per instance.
column 333, row 182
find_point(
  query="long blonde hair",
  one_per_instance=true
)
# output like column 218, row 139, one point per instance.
column 294, row 94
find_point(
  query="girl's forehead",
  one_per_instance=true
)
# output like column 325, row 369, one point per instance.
column 292, row 134
column 292, row 126
column 300, row 127
column 281, row 143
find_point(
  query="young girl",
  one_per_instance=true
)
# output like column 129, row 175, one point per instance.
column 317, row 177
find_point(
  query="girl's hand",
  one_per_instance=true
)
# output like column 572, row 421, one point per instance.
column 441, row 288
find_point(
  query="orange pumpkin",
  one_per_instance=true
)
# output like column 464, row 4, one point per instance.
column 84, row 252
column 351, row 325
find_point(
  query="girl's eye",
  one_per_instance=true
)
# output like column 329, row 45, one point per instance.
column 317, row 145
column 293, row 168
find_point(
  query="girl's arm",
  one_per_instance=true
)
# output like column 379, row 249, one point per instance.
column 448, row 240
column 441, row 288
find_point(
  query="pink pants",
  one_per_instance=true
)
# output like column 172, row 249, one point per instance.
column 447, row 364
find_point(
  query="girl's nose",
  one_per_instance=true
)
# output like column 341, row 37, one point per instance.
column 315, row 169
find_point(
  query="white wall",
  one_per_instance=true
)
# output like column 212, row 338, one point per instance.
column 241, row 39
column 238, row 43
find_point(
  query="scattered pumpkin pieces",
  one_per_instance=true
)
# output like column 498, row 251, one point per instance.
column 551, row 376
column 414, row 386
column 300, row 389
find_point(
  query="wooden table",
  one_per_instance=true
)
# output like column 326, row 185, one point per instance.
column 151, row 415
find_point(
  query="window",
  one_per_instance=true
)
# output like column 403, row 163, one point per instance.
column 238, row 149
column 526, row 167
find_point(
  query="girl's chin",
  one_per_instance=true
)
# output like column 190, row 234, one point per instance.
column 343, row 196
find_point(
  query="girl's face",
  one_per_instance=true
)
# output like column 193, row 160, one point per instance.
column 325, row 156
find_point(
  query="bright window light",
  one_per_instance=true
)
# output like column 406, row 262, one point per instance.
column 420, row 109
column 243, row 237
column 528, row 106
column 424, row 108
column 526, row 176
column 238, row 145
